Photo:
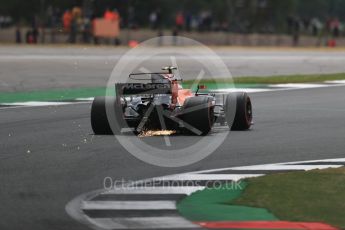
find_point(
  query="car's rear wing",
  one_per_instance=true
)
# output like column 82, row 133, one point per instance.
column 142, row 88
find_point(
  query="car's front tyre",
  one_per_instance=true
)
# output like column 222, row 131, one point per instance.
column 99, row 119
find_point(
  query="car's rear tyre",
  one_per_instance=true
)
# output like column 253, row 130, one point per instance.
column 244, row 113
column 99, row 119
column 200, row 119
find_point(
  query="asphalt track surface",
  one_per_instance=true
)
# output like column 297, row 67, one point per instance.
column 48, row 155
column 29, row 68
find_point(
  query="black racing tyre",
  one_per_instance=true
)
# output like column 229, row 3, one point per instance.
column 200, row 119
column 244, row 113
column 99, row 120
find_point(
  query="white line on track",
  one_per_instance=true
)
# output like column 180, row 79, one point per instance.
column 154, row 190
column 272, row 167
column 298, row 86
column 313, row 161
column 335, row 82
column 18, row 105
column 164, row 222
column 205, row 177
column 248, row 90
column 85, row 99
column 284, row 167
column 129, row 205
column 37, row 103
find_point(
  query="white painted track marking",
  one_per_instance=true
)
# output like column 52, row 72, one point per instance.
column 32, row 104
column 129, row 205
column 273, row 167
column 164, row 222
column 284, row 167
column 206, row 177
column 155, row 190
column 248, row 90
column 313, row 161
column 37, row 103
column 335, row 82
column 298, row 86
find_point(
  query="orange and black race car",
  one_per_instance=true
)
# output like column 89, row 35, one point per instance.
column 157, row 101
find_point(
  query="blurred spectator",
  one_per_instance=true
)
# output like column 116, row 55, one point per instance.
column 75, row 23
column 188, row 21
column 34, row 31
column 2, row 20
column 18, row 35
column 54, row 18
column 290, row 24
column 316, row 26
column 296, row 31
column 67, row 20
column 179, row 20
column 50, row 16
column 159, row 19
column 29, row 37
column 108, row 14
column 76, row 13
column 73, row 32
column 205, row 20
column 159, row 26
column 194, row 24
column 131, row 18
column 294, row 28
column 334, row 27
column 224, row 26
column 112, row 15
column 153, row 20
column 306, row 23
column 86, row 29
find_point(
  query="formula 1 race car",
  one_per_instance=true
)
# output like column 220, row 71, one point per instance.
column 162, row 104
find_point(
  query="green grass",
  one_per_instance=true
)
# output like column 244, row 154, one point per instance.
column 240, row 82
column 313, row 196
column 51, row 95
column 210, row 205
column 275, row 79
